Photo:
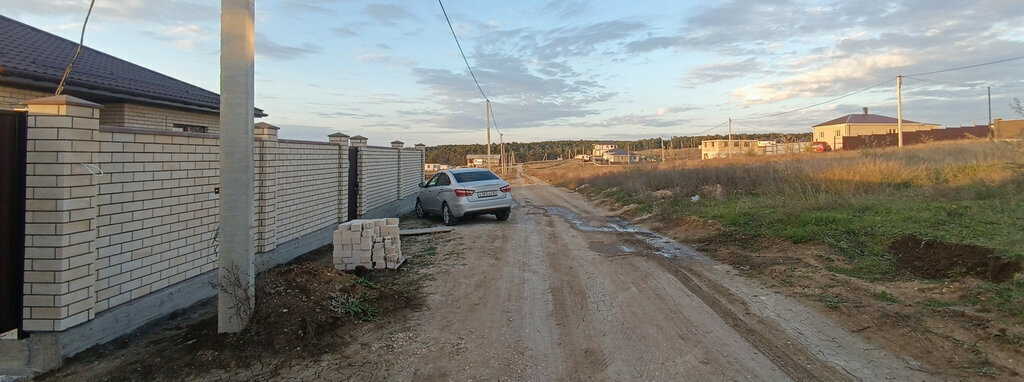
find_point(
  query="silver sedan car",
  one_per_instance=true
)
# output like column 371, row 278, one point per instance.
column 464, row 192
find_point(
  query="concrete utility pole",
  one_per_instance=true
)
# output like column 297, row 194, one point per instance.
column 989, row 105
column 236, row 275
column 488, row 116
column 662, row 148
column 730, row 138
column 501, row 152
column 899, row 110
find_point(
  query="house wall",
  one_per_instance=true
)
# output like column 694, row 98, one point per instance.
column 118, row 218
column 1008, row 129
column 123, row 114
column 155, row 117
column 833, row 134
column 721, row 149
column 11, row 98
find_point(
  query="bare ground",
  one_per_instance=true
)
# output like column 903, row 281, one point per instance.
column 565, row 291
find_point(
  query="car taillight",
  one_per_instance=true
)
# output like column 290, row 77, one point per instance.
column 463, row 192
column 506, row 189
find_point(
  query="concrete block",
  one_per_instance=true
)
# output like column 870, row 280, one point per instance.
column 392, row 222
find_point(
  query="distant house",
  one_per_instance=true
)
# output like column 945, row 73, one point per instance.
column 1008, row 129
column 434, row 167
column 620, row 156
column 832, row 132
column 482, row 160
column 723, row 148
column 32, row 63
column 601, row 147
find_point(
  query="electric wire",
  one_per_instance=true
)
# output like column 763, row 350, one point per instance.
column 961, row 84
column 967, row 67
column 81, row 42
column 466, row 60
column 817, row 104
column 478, row 87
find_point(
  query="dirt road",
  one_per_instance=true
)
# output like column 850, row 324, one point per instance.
column 564, row 291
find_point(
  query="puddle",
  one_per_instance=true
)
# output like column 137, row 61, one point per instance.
column 660, row 244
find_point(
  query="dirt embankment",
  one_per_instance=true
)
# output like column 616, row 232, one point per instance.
column 933, row 317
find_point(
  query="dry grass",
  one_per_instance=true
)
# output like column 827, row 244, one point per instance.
column 859, row 201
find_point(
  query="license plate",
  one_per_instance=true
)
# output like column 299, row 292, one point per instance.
column 487, row 194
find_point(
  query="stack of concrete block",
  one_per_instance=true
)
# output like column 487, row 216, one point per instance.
column 368, row 243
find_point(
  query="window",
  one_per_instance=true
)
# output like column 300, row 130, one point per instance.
column 821, row 134
column 746, row 144
column 473, row 176
column 443, row 180
column 735, row 144
column 839, row 133
column 190, row 128
column 433, row 181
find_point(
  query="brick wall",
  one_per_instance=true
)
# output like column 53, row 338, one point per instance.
column 116, row 213
column 157, row 211
column 378, row 177
column 411, row 170
column 308, row 186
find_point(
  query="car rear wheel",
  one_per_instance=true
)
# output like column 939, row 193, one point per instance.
column 503, row 215
column 447, row 216
column 419, row 209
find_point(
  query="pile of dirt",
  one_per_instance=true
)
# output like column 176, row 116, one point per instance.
column 296, row 304
column 938, row 260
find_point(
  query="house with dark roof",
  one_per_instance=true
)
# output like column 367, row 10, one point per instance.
column 33, row 61
column 832, row 132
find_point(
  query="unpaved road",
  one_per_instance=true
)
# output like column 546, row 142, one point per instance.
column 564, row 291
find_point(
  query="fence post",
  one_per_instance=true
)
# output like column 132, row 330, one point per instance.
column 266, row 186
column 60, row 213
column 342, row 140
column 398, row 145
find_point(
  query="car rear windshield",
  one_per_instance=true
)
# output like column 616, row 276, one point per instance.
column 474, row 176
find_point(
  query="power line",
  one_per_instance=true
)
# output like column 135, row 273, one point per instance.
column 819, row 103
column 963, row 84
column 470, row 68
column 81, row 41
column 462, row 52
column 715, row 127
column 965, row 67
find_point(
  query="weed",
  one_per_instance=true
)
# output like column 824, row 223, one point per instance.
column 356, row 307
column 833, row 301
column 887, row 297
column 1007, row 297
column 365, row 282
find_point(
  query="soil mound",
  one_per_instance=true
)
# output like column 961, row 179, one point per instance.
column 938, row 260
column 297, row 303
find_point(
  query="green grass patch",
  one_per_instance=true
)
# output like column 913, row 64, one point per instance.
column 832, row 301
column 933, row 303
column 887, row 298
column 1007, row 297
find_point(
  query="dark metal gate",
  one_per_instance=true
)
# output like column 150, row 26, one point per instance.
column 12, row 218
column 353, row 182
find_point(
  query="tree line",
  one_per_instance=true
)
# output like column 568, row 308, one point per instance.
column 455, row 155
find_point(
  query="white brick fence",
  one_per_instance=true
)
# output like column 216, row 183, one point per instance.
column 121, row 222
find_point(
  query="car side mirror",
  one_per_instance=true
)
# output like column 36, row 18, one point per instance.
column 421, row 184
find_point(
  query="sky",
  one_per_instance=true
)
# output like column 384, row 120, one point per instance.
column 600, row 70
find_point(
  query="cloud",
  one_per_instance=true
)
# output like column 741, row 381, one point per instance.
column 833, row 77
column 724, row 71
column 388, row 14
column 267, row 48
column 344, row 32
column 567, row 9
